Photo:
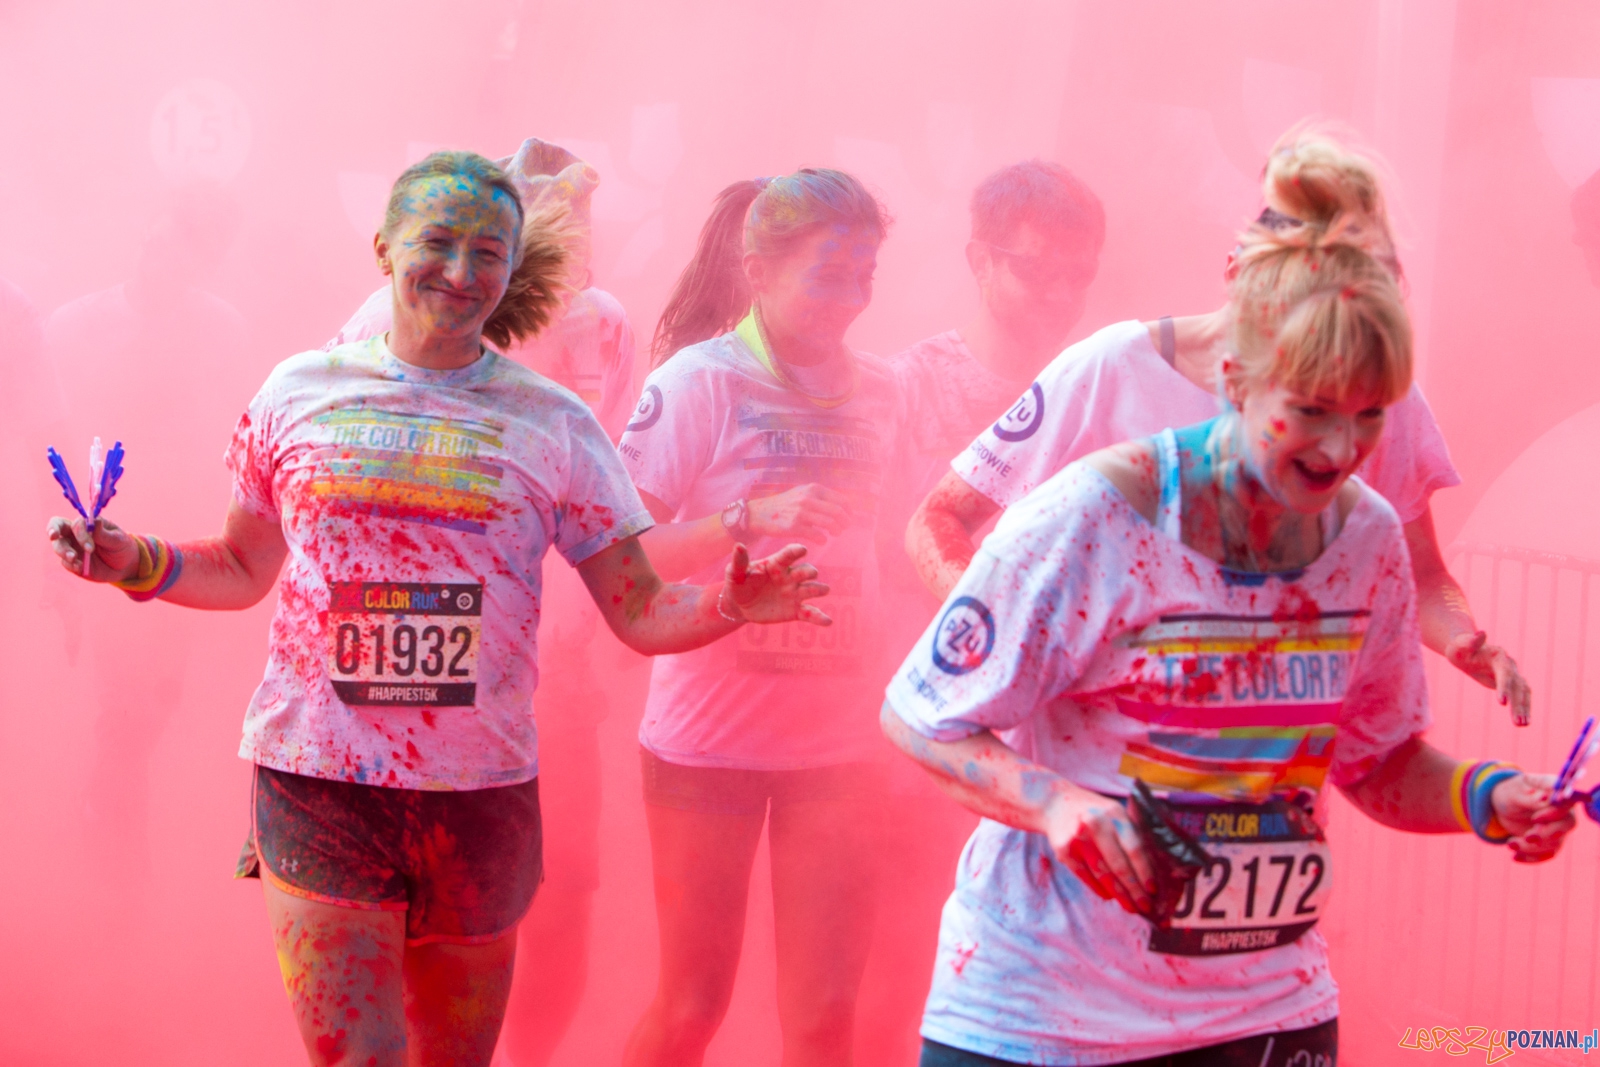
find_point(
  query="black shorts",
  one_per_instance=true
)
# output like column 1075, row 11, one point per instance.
column 730, row 791
column 1315, row 1046
column 463, row 865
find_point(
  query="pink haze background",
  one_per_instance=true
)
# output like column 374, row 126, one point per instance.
column 122, row 933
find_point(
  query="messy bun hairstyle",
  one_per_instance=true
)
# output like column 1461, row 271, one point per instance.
column 766, row 217
column 1316, row 310
column 539, row 262
column 1314, row 174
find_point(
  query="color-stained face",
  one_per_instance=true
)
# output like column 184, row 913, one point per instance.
column 451, row 255
column 819, row 288
column 1303, row 447
column 1034, row 285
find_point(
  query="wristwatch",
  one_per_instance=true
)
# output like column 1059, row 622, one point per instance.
column 736, row 519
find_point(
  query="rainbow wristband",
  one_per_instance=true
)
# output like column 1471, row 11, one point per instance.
column 1471, row 789
column 160, row 564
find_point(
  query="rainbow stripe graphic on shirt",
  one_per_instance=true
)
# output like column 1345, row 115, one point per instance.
column 1239, row 707
column 415, row 468
column 837, row 451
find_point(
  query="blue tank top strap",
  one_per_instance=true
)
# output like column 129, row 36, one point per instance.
column 1169, row 513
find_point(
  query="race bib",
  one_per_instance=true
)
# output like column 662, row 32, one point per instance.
column 405, row 642
column 1266, row 885
column 801, row 648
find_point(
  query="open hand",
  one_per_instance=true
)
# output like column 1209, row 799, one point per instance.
column 1493, row 668
column 774, row 589
column 1537, row 827
column 810, row 512
column 112, row 553
column 1098, row 842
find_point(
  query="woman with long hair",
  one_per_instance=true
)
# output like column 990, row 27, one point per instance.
column 414, row 482
column 759, row 424
column 1148, row 677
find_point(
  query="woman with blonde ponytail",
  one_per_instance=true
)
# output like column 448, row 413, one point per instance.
column 1133, row 378
column 414, row 482
column 1149, row 676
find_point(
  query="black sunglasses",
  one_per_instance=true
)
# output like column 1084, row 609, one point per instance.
column 1039, row 271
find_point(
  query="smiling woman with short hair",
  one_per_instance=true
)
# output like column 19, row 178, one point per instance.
column 415, row 481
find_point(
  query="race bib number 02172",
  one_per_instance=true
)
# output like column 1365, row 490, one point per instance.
column 1266, row 885
column 405, row 643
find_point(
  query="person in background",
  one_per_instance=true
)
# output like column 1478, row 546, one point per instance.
column 1134, row 378
column 759, row 423
column 587, row 347
column 1146, row 680
column 1037, row 232
column 414, row 482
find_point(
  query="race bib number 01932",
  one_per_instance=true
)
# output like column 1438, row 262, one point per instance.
column 405, row 643
column 1266, row 885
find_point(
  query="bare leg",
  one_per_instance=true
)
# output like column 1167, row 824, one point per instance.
column 823, row 883
column 702, row 882
column 554, row 944
column 362, row 998
column 455, row 1001
column 342, row 969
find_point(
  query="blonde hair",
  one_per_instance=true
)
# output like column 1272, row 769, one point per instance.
column 551, row 235
column 539, row 262
column 1316, row 311
column 1314, row 173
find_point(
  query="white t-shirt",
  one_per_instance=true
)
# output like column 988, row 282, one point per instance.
column 417, row 506
column 714, row 426
column 1114, row 386
column 589, row 349
column 1104, row 649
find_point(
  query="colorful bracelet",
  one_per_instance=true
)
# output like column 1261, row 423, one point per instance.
column 160, row 564
column 1471, row 791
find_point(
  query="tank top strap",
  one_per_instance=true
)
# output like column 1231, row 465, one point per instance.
column 1169, row 341
column 1169, row 513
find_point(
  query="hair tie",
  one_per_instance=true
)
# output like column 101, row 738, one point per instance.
column 1275, row 220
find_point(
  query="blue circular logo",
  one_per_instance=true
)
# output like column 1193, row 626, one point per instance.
column 647, row 411
column 965, row 636
column 1021, row 421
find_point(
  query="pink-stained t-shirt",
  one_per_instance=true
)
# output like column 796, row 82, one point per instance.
column 954, row 396
column 418, row 506
column 714, row 426
column 589, row 349
column 1105, row 649
column 1114, row 386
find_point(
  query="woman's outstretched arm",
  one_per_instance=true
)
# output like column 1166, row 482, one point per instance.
column 654, row 618
column 1411, row 790
column 1448, row 627
column 225, row 573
